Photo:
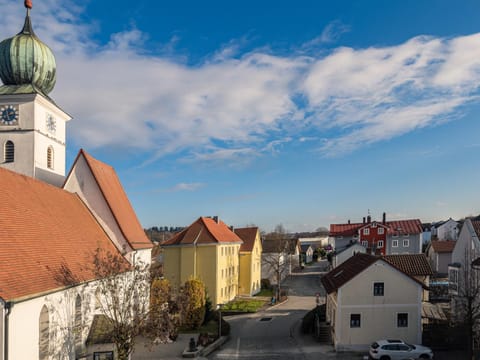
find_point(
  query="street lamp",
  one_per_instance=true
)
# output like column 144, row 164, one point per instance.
column 219, row 309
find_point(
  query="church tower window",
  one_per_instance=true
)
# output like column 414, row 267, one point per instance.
column 50, row 157
column 9, row 152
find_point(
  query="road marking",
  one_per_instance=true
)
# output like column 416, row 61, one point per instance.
column 237, row 352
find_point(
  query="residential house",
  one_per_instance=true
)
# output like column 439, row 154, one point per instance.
column 207, row 250
column 346, row 253
column 380, row 238
column 306, row 252
column 463, row 274
column 250, row 261
column 439, row 255
column 368, row 298
column 446, row 230
column 279, row 258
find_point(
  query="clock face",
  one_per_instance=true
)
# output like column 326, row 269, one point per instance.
column 9, row 115
column 51, row 124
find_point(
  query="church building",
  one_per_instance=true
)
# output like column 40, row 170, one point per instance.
column 51, row 223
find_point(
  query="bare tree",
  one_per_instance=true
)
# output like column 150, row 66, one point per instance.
column 276, row 255
column 466, row 301
column 122, row 297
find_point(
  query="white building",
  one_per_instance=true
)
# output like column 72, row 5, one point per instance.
column 50, row 234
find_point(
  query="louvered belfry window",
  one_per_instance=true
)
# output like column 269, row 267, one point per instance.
column 9, row 152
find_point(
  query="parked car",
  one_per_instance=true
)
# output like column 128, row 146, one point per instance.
column 398, row 350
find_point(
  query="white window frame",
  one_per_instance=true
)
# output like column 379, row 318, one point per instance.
column 394, row 243
column 380, row 230
column 366, row 231
column 407, row 242
column 380, row 244
column 365, row 243
column 401, row 325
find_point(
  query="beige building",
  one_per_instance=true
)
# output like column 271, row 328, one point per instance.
column 368, row 298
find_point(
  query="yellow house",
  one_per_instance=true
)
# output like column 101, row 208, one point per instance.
column 250, row 261
column 209, row 251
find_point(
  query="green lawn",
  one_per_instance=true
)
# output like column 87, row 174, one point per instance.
column 243, row 305
column 265, row 292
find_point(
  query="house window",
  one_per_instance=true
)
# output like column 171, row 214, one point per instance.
column 50, row 157
column 9, row 152
column 380, row 231
column 453, row 279
column 364, row 243
column 366, row 231
column 354, row 320
column 394, row 243
column 406, row 243
column 402, row 320
column 380, row 244
column 378, row 289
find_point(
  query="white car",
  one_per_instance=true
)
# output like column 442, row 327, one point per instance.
column 398, row 350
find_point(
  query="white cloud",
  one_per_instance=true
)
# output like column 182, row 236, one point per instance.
column 121, row 95
column 186, row 187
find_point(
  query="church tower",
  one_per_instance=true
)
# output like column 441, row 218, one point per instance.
column 32, row 126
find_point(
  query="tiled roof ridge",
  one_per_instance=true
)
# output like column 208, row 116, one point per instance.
column 92, row 162
column 442, row 246
column 219, row 222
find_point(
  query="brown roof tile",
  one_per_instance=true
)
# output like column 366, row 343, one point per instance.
column 411, row 264
column 44, row 229
column 443, row 246
column 476, row 227
column 118, row 202
column 204, row 231
column 346, row 271
column 248, row 235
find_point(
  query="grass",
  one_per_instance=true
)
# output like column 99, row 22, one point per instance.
column 265, row 292
column 243, row 305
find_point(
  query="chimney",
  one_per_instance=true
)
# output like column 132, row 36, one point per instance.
column 384, row 219
column 364, row 219
column 215, row 218
column 369, row 219
column 232, row 228
column 348, row 221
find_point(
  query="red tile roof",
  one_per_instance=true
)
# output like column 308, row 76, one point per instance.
column 118, row 202
column 399, row 227
column 248, row 235
column 476, row 227
column 411, row 264
column 443, row 246
column 42, row 230
column 347, row 270
column 205, row 230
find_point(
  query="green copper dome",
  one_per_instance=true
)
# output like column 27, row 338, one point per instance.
column 26, row 62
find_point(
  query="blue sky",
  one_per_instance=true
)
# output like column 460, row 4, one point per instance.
column 302, row 113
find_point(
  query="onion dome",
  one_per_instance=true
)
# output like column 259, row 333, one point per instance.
column 26, row 62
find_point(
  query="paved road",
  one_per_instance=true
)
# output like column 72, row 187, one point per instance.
column 275, row 332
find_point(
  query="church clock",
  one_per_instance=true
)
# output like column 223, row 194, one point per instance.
column 51, row 124
column 9, row 115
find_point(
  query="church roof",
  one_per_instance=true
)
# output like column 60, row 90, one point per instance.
column 205, row 230
column 45, row 233
column 118, row 202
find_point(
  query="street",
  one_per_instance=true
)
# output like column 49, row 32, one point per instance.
column 275, row 332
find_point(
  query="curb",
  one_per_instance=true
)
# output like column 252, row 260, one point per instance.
column 204, row 351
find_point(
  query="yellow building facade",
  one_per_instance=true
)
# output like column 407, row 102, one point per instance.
column 209, row 251
column 250, row 261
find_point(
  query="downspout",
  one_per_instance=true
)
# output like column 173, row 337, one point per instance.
column 7, row 308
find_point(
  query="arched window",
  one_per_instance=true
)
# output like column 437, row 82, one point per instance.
column 50, row 157
column 44, row 334
column 9, row 152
